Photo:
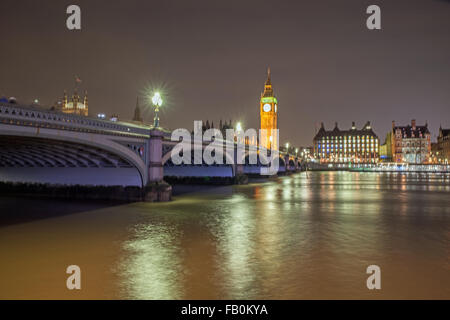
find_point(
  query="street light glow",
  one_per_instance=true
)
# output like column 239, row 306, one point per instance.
column 157, row 100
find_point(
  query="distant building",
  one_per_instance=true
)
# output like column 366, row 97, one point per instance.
column 410, row 144
column 383, row 152
column 305, row 153
column 386, row 149
column 223, row 127
column 442, row 147
column 346, row 146
column 74, row 105
column 435, row 155
column 137, row 112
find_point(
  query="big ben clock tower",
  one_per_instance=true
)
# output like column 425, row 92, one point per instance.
column 269, row 116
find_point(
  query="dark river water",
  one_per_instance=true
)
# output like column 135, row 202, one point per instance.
column 303, row 236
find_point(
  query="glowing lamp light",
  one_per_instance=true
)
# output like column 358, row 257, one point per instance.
column 238, row 127
column 157, row 100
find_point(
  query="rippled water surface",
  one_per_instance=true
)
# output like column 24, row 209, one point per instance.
column 298, row 237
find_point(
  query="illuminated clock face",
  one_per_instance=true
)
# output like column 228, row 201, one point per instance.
column 267, row 107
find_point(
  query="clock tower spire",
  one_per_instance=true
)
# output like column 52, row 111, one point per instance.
column 269, row 116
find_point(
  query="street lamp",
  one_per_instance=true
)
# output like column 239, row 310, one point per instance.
column 287, row 146
column 157, row 102
column 238, row 130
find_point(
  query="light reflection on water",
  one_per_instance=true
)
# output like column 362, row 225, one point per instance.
column 303, row 236
column 152, row 269
column 298, row 237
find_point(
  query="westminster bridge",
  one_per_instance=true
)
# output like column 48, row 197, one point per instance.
column 43, row 146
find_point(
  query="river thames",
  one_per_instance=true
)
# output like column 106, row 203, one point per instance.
column 305, row 236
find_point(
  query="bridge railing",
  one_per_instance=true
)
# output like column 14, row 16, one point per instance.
column 33, row 116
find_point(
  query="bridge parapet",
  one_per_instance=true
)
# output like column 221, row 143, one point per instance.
column 32, row 116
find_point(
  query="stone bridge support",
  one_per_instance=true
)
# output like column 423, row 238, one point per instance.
column 156, row 189
column 296, row 164
column 239, row 176
column 155, row 166
column 286, row 163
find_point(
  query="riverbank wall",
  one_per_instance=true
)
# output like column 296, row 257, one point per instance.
column 151, row 193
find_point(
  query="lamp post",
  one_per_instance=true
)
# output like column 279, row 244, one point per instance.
column 237, row 134
column 157, row 102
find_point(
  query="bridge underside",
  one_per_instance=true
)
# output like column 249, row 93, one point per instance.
column 203, row 170
column 217, row 170
column 36, row 160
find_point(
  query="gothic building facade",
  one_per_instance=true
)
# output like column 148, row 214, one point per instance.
column 73, row 105
column 268, row 108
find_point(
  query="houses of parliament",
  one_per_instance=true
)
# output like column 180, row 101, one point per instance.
column 73, row 105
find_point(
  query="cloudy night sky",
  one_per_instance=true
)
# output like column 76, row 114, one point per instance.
column 210, row 60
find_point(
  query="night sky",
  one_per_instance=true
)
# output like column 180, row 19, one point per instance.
column 210, row 58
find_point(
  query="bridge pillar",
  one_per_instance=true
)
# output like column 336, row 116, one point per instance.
column 239, row 176
column 239, row 169
column 286, row 162
column 155, row 167
column 156, row 189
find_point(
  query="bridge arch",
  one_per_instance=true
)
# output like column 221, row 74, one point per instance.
column 209, row 170
column 95, row 151
column 291, row 163
column 282, row 164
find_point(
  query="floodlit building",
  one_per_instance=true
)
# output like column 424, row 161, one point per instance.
column 346, row 146
column 74, row 104
column 268, row 108
column 442, row 147
column 411, row 143
column 386, row 149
